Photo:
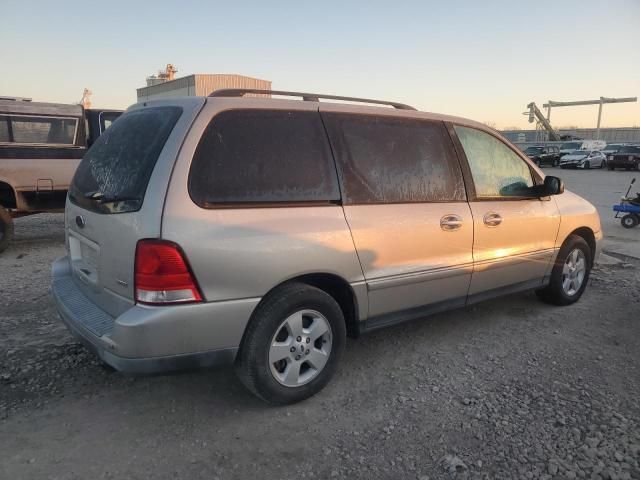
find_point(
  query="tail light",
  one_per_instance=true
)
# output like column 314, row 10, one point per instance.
column 163, row 275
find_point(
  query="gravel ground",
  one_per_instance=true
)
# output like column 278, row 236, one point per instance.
column 506, row 389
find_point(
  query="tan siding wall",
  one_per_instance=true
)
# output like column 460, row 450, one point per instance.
column 205, row 84
column 185, row 85
column 201, row 85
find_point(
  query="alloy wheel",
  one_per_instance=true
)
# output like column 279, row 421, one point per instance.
column 573, row 272
column 300, row 348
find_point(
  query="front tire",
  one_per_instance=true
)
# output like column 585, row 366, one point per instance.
column 570, row 274
column 6, row 228
column 587, row 165
column 292, row 345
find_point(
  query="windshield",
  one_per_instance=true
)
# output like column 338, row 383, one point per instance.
column 629, row 150
column 114, row 173
column 582, row 153
column 612, row 148
column 570, row 146
column 533, row 150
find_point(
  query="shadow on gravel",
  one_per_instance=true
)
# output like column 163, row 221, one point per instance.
column 34, row 375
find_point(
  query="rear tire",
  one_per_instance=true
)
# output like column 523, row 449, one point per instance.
column 6, row 228
column 570, row 274
column 630, row 220
column 273, row 326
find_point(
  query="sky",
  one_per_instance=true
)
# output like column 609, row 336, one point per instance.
column 480, row 59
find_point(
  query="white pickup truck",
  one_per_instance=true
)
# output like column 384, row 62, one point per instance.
column 41, row 145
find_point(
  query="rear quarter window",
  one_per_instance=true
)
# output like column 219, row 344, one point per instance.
column 263, row 156
column 384, row 159
column 114, row 173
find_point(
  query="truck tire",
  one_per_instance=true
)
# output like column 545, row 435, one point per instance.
column 6, row 228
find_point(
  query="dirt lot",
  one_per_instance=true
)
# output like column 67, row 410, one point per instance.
column 506, row 389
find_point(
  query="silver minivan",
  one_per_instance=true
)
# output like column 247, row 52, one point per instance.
column 261, row 232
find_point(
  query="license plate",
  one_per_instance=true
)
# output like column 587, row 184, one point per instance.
column 89, row 255
column 84, row 257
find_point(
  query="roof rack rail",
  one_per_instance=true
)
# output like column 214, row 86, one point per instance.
column 307, row 97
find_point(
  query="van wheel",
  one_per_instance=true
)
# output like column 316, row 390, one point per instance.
column 570, row 273
column 6, row 228
column 292, row 345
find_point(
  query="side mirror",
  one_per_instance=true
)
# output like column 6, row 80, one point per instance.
column 553, row 185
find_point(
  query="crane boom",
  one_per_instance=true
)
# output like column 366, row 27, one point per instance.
column 538, row 116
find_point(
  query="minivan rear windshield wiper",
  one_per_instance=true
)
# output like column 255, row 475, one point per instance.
column 102, row 198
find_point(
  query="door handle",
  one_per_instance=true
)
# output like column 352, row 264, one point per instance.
column 492, row 219
column 449, row 223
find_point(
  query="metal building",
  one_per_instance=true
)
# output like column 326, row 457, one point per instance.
column 199, row 84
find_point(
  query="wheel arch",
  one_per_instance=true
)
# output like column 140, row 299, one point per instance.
column 336, row 287
column 587, row 234
column 8, row 198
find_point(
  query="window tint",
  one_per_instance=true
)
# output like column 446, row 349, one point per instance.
column 394, row 160
column 46, row 130
column 115, row 171
column 496, row 169
column 254, row 156
column 630, row 149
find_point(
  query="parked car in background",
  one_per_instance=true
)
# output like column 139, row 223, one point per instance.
column 41, row 145
column 260, row 232
column 584, row 159
column 628, row 157
column 570, row 147
column 612, row 148
column 544, row 155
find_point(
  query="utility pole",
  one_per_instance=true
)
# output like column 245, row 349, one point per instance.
column 599, row 118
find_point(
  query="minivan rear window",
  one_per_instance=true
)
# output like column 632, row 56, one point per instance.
column 114, row 173
column 263, row 156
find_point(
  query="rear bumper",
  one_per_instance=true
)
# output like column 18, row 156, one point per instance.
column 152, row 339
